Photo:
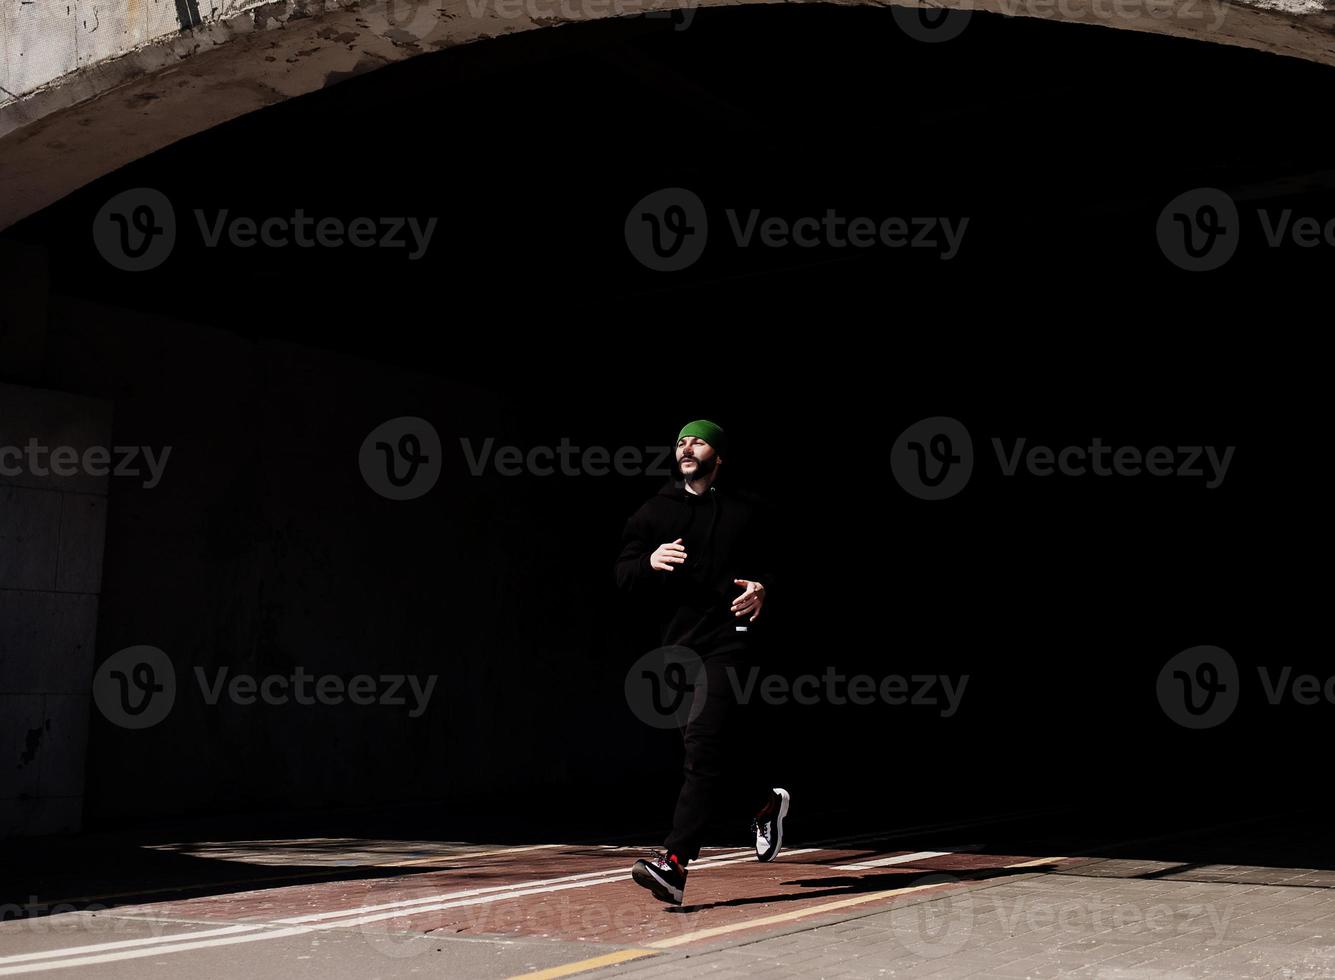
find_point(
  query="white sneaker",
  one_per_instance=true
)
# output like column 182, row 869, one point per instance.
column 768, row 825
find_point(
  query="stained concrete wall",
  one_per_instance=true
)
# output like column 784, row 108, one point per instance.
column 51, row 544
column 44, row 40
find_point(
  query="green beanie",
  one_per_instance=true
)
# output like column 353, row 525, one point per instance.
column 706, row 430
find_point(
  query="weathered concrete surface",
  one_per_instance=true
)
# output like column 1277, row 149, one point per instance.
column 97, row 119
column 46, row 40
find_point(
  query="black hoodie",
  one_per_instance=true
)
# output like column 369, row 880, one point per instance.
column 725, row 537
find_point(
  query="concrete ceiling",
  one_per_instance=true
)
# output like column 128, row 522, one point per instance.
column 107, row 104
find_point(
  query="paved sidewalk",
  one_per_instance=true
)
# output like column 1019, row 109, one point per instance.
column 1003, row 897
column 1105, row 919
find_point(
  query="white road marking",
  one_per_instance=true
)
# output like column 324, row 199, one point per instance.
column 89, row 955
column 886, row 862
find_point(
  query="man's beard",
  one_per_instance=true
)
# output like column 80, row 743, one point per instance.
column 703, row 467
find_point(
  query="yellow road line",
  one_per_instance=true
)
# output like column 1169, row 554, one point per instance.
column 1036, row 861
column 843, row 903
column 620, row 956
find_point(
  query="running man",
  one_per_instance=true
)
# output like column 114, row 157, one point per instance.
column 686, row 551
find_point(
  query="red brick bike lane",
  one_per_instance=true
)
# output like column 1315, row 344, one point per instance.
column 584, row 893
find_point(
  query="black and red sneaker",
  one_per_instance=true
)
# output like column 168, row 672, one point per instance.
column 663, row 874
column 768, row 825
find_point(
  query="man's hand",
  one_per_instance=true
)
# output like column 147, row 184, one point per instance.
column 749, row 601
column 667, row 555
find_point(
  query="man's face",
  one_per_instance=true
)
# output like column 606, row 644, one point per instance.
column 695, row 457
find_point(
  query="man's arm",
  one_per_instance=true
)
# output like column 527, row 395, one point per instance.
column 766, row 548
column 760, row 559
column 640, row 551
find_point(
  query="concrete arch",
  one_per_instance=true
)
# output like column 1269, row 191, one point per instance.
column 75, row 106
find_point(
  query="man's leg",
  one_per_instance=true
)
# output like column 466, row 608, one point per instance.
column 765, row 776
column 707, row 738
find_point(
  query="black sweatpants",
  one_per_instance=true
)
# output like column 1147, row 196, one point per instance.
column 715, row 767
